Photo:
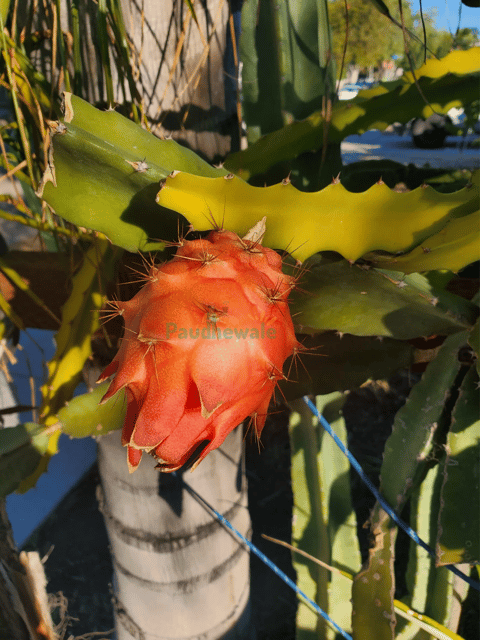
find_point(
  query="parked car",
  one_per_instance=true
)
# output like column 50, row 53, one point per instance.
column 349, row 91
column 431, row 133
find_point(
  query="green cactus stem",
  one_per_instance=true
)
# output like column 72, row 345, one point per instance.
column 80, row 319
column 324, row 523
column 103, row 173
column 459, row 518
column 364, row 301
column 333, row 219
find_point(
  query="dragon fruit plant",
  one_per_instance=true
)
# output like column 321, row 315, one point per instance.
column 207, row 336
column 204, row 346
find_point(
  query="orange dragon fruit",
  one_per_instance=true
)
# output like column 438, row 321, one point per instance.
column 204, row 345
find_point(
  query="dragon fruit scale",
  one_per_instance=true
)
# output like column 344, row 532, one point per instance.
column 205, row 340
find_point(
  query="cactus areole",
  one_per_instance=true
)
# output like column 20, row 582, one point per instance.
column 204, row 344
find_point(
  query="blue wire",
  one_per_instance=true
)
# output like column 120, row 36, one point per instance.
column 267, row 561
column 408, row 530
column 403, row 525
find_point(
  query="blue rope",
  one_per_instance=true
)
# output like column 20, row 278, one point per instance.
column 267, row 561
column 403, row 525
column 408, row 530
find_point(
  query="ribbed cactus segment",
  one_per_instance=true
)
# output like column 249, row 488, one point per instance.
column 83, row 416
column 324, row 523
column 420, row 574
column 288, row 70
column 456, row 62
column 21, row 451
column 373, row 614
column 453, row 248
column 121, row 133
column 459, row 521
column 80, row 319
column 435, row 592
column 411, row 442
column 103, row 173
column 333, row 219
column 450, row 82
column 407, row 457
column 370, row 302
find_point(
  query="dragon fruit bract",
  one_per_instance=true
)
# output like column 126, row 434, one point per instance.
column 204, row 345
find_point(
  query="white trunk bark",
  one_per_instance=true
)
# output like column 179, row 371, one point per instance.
column 172, row 78
column 179, row 574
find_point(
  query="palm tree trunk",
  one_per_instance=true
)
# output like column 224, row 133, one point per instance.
column 178, row 572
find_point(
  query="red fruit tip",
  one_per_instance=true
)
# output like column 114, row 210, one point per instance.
column 133, row 458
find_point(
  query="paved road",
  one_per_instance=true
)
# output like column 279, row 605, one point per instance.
column 375, row 145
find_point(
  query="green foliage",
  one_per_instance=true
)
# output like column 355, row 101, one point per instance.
column 438, row 408
column 80, row 320
column 416, row 423
column 84, row 416
column 286, row 66
column 373, row 587
column 324, row 523
column 371, row 38
column 376, row 303
column 374, row 38
column 321, row 503
column 446, row 83
column 25, row 449
column 466, row 38
column 421, row 575
column 459, row 529
column 105, row 165
column 288, row 72
column 438, row 42
column 4, row 9
column 21, row 450
column 103, row 174
column 454, row 247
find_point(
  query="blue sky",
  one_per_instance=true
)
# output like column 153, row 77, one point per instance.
column 447, row 13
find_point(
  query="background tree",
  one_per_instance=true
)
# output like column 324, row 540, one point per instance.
column 373, row 38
